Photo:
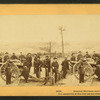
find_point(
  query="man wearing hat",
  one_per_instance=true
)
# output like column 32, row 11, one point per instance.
column 79, row 56
column 55, row 67
column 47, row 66
column 65, row 67
column 6, row 57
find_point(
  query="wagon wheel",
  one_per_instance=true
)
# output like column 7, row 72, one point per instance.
column 87, row 68
column 15, row 72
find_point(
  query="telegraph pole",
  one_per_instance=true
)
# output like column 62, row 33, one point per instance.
column 61, row 30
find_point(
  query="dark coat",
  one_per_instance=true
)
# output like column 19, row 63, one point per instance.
column 94, row 56
column 47, row 64
column 29, row 60
column 55, row 66
column 65, row 65
column 21, row 58
column 38, row 65
column 13, row 57
column 81, row 68
column 6, row 58
column 73, row 58
column 79, row 56
column 87, row 56
column 35, row 61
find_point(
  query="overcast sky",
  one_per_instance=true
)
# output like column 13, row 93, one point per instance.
column 40, row 28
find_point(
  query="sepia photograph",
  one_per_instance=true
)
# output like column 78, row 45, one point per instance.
column 49, row 50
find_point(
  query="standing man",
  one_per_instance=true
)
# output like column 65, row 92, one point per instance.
column 13, row 57
column 29, row 60
column 47, row 66
column 21, row 57
column 98, row 67
column 55, row 67
column 79, row 56
column 38, row 67
column 65, row 67
column 35, row 61
column 6, row 57
column 8, row 71
column 25, row 72
column 87, row 55
column 81, row 71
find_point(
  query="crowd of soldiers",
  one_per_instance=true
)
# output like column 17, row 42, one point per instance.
column 50, row 67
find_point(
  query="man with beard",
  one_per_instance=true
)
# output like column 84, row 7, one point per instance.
column 65, row 67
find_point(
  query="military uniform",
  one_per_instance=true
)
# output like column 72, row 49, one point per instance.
column 95, row 56
column 65, row 67
column 38, row 68
column 98, row 68
column 25, row 72
column 47, row 67
column 81, row 72
column 6, row 58
column 0, row 59
column 79, row 56
column 13, row 57
column 87, row 56
column 21, row 58
column 55, row 67
column 35, row 61
column 73, row 58
column 29, row 60
column 8, row 73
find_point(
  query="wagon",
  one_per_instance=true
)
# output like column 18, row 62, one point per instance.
column 89, row 68
column 16, row 68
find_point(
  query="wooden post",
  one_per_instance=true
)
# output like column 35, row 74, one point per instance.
column 61, row 29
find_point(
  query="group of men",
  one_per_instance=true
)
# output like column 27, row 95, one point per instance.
column 26, row 61
column 50, row 67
